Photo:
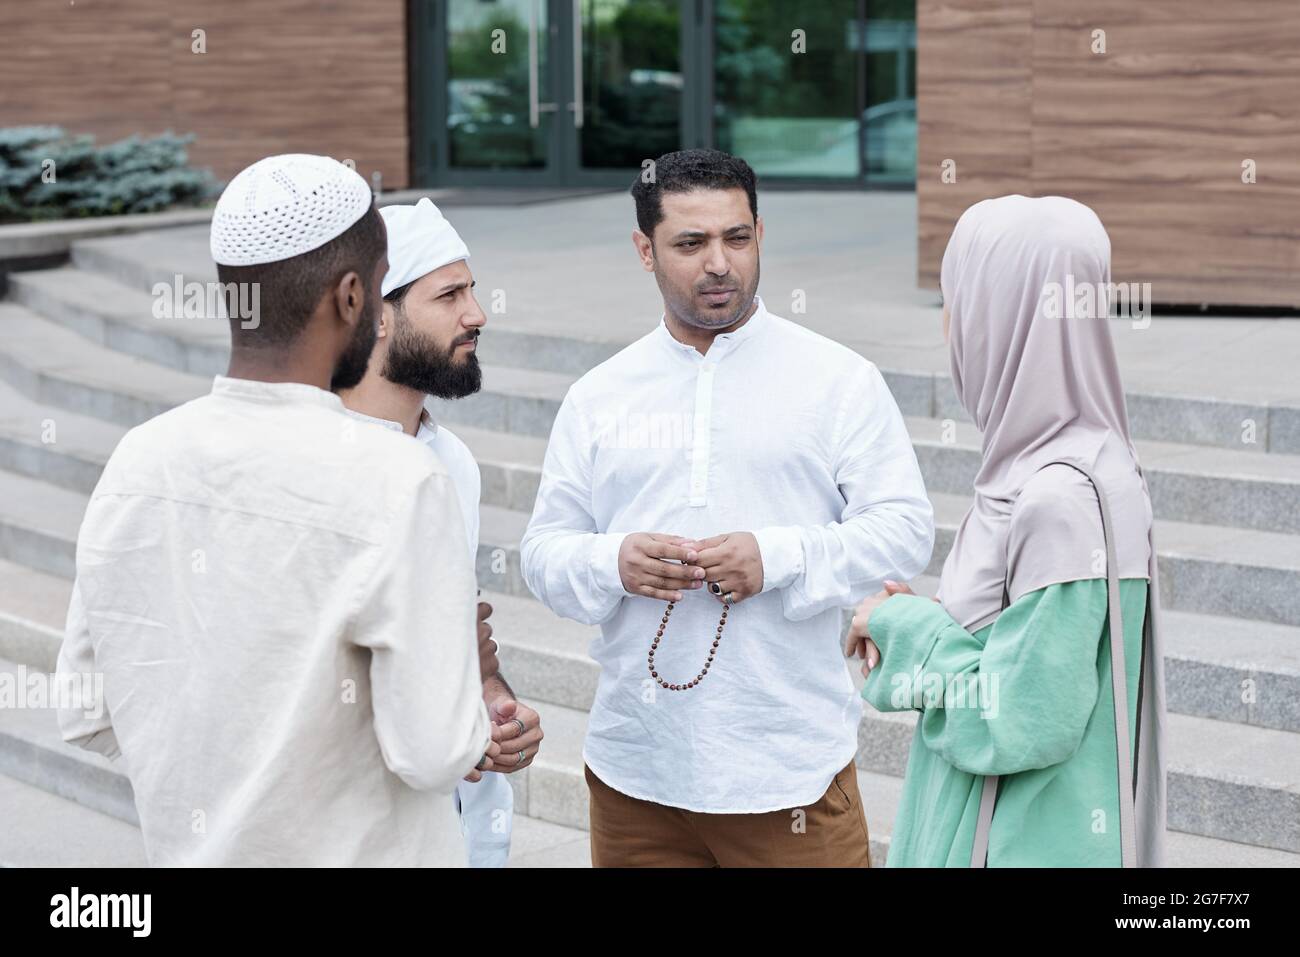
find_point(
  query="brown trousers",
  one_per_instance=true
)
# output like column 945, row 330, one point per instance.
column 627, row 832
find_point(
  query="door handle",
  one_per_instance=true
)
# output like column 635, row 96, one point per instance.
column 535, row 106
column 576, row 105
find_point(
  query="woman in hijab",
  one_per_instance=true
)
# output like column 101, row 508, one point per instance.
column 1020, row 757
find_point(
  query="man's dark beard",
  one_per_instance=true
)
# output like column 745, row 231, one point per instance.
column 418, row 364
column 684, row 304
column 351, row 367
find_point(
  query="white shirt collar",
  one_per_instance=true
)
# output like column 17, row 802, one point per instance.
column 426, row 422
column 254, row 390
column 724, row 343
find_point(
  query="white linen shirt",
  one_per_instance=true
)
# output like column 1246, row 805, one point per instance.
column 286, row 635
column 775, row 430
column 486, row 806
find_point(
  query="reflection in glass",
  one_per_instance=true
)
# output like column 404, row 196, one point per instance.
column 889, row 123
column 488, row 76
column 788, row 113
column 632, row 81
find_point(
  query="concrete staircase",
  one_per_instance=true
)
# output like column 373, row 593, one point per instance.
column 81, row 354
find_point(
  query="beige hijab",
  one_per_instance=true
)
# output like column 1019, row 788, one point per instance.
column 1026, row 285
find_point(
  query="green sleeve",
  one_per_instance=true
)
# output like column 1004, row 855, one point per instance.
column 1014, row 697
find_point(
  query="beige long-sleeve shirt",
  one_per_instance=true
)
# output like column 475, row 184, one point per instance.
column 280, row 603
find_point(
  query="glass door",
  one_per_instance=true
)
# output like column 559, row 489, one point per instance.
column 628, row 72
column 582, row 92
column 500, row 110
column 550, row 92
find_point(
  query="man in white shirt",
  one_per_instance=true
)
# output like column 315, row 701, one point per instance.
column 758, row 477
column 427, row 345
column 285, row 633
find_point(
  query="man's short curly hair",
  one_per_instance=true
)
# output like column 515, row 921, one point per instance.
column 687, row 170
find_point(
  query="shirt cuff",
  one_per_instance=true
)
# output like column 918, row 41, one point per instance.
column 780, row 548
column 604, row 562
column 102, row 742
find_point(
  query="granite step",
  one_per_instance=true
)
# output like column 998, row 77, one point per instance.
column 51, row 783
column 1206, row 569
column 54, row 366
column 141, row 261
column 148, row 325
column 132, row 319
column 33, row 611
column 1210, row 569
column 174, row 360
column 552, row 789
column 33, row 751
column 1188, row 483
column 1192, row 484
column 57, row 446
column 45, row 830
column 1240, row 573
column 1227, row 780
column 39, row 523
column 1178, row 420
column 1223, row 668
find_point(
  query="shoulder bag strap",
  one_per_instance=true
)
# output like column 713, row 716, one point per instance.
column 1119, row 691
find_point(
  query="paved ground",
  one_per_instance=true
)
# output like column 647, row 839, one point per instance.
column 49, row 831
column 568, row 267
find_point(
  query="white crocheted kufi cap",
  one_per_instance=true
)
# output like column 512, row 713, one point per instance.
column 284, row 206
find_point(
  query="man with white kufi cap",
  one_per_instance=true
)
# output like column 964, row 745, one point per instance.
column 285, row 634
column 427, row 346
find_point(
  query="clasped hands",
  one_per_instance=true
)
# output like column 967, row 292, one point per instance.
column 655, row 565
column 516, row 728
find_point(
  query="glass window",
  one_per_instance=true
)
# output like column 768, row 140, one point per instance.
column 632, row 81
column 889, row 121
column 788, row 113
column 488, row 58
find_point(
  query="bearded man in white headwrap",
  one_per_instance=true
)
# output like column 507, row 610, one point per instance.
column 285, row 634
column 427, row 346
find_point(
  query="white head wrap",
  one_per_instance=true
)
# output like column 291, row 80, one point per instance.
column 420, row 240
column 284, row 206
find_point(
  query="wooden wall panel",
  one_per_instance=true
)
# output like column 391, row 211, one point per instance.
column 317, row 76
column 973, row 107
column 1152, row 135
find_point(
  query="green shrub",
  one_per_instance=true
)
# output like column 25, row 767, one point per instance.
column 134, row 175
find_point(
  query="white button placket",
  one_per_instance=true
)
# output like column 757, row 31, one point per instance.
column 702, row 429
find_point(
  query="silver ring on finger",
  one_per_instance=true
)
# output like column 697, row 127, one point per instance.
column 521, row 756
column 729, row 598
column 715, row 588
column 522, row 726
